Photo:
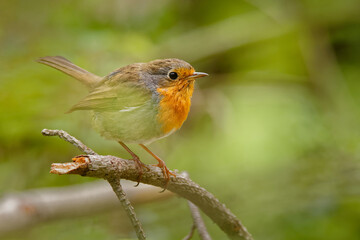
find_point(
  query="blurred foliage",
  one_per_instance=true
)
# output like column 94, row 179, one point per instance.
column 273, row 132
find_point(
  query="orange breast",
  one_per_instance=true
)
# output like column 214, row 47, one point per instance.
column 175, row 105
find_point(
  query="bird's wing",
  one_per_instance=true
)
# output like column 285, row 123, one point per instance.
column 114, row 98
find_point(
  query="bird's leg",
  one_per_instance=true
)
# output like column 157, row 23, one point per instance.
column 139, row 165
column 161, row 165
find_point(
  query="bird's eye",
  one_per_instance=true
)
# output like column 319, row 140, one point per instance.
column 173, row 75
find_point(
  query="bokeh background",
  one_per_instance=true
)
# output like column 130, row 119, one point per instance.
column 274, row 132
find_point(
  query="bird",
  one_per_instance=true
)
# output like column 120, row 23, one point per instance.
column 138, row 103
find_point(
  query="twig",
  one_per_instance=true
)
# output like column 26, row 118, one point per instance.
column 67, row 137
column 116, row 186
column 28, row 208
column 191, row 233
column 113, row 181
column 104, row 166
column 198, row 222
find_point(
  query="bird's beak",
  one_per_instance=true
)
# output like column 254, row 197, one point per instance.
column 198, row 75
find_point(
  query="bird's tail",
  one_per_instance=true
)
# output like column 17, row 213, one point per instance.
column 64, row 65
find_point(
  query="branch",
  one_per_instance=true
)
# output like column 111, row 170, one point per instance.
column 28, row 208
column 198, row 222
column 191, row 233
column 104, row 166
column 67, row 137
column 113, row 181
column 117, row 188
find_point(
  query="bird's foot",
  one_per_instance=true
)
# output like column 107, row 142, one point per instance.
column 166, row 172
column 140, row 166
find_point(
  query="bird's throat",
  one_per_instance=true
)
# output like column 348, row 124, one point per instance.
column 174, row 105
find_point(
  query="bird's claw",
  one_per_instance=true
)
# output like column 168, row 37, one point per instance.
column 166, row 172
column 139, row 165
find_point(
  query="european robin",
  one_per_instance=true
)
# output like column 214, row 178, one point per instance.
column 138, row 103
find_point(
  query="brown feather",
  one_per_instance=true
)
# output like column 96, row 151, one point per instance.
column 65, row 66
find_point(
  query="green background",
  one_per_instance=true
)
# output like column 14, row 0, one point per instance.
column 273, row 132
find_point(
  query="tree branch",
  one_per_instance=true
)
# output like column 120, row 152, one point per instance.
column 198, row 222
column 130, row 211
column 104, row 166
column 113, row 181
column 67, row 137
column 191, row 233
